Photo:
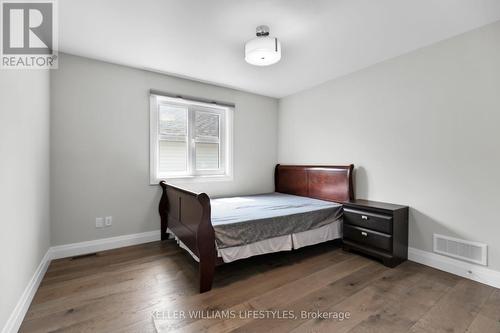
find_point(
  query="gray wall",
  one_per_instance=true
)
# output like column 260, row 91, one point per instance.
column 24, row 181
column 423, row 130
column 100, row 147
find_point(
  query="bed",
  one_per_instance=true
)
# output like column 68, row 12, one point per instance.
column 305, row 209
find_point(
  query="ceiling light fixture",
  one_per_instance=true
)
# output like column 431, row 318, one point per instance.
column 263, row 50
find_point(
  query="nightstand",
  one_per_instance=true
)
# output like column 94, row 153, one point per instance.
column 377, row 229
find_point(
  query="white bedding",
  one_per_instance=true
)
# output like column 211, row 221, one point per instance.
column 322, row 234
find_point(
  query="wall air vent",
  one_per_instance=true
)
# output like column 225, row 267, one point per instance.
column 461, row 249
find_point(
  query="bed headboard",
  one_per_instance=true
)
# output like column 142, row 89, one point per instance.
column 329, row 182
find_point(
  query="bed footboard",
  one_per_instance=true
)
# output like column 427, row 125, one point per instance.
column 187, row 215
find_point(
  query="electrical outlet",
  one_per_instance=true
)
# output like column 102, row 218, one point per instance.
column 99, row 222
column 108, row 221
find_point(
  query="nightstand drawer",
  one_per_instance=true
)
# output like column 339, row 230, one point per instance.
column 368, row 237
column 378, row 222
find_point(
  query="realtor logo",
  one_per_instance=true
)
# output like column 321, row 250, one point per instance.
column 29, row 38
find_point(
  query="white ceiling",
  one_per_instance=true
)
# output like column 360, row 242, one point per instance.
column 204, row 39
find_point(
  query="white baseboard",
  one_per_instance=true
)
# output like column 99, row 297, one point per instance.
column 16, row 317
column 76, row 249
column 467, row 270
column 69, row 250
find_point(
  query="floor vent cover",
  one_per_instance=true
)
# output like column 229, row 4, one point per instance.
column 84, row 256
column 461, row 249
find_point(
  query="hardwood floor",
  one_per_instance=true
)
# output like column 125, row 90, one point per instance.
column 144, row 288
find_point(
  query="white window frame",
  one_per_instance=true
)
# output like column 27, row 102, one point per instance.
column 224, row 173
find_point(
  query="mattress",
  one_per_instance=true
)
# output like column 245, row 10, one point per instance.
column 282, row 243
column 244, row 220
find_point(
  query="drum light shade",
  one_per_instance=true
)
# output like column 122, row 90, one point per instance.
column 263, row 50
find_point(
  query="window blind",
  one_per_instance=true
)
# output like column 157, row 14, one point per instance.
column 190, row 138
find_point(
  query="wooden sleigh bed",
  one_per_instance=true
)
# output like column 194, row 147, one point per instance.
column 188, row 215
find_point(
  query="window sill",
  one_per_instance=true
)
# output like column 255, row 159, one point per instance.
column 193, row 179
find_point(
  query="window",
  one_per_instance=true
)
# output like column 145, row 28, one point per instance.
column 189, row 139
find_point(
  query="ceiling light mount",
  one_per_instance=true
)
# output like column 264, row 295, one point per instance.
column 263, row 50
column 262, row 30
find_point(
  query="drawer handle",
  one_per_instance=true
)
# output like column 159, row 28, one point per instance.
column 364, row 217
column 364, row 234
